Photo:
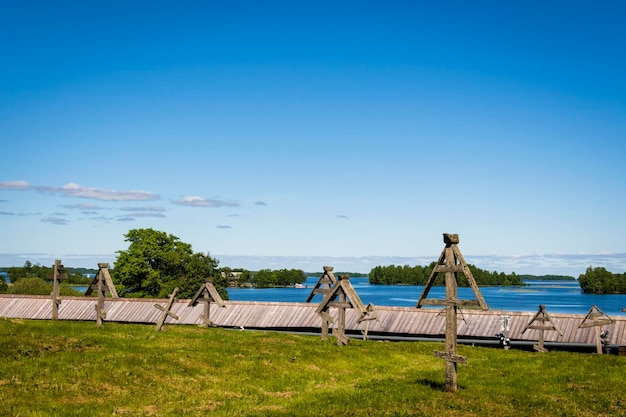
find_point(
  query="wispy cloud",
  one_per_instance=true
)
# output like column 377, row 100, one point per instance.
column 193, row 201
column 55, row 219
column 145, row 214
column 83, row 206
column 14, row 185
column 145, row 211
column 342, row 216
column 224, row 227
column 75, row 190
column 145, row 208
column 260, row 203
column 8, row 213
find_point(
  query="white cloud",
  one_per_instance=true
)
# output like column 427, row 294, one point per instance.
column 14, row 185
column 194, row 201
column 75, row 190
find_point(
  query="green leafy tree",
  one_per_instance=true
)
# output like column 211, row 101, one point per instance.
column 600, row 281
column 31, row 286
column 156, row 262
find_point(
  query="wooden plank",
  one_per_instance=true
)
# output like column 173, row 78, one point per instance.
column 450, row 357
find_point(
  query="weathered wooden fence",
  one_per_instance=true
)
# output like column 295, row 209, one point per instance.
column 392, row 321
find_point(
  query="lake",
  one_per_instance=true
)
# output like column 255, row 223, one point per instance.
column 557, row 296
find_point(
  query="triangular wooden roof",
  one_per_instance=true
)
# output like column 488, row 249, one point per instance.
column 107, row 282
column 595, row 317
column 541, row 317
column 207, row 293
column 455, row 264
column 323, row 285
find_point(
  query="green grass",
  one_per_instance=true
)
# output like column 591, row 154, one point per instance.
column 63, row 368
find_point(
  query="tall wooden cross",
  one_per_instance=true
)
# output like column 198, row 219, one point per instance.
column 206, row 295
column 56, row 287
column 451, row 263
column 323, row 286
column 348, row 298
column 103, row 284
column 544, row 323
column 596, row 318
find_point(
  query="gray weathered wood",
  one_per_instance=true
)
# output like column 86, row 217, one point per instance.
column 56, row 286
column 207, row 294
column 541, row 316
column 166, row 310
column 347, row 298
column 451, row 263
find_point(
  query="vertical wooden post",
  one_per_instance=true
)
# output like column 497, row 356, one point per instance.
column 323, row 286
column 451, row 327
column 100, row 311
column 56, row 287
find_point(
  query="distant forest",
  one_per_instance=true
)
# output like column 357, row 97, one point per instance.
column 418, row 275
column 547, row 278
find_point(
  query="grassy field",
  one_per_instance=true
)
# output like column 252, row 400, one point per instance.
column 62, row 368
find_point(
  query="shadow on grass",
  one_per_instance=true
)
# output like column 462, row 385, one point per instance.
column 435, row 385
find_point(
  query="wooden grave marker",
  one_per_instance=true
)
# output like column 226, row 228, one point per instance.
column 323, row 286
column 56, row 275
column 166, row 310
column 596, row 318
column 103, row 284
column 451, row 262
column 542, row 317
column 347, row 298
column 207, row 294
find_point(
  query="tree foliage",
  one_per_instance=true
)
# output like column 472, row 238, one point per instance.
column 600, row 281
column 156, row 262
column 38, row 286
column 74, row 276
column 418, row 275
column 266, row 278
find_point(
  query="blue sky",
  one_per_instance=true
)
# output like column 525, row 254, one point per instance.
column 303, row 134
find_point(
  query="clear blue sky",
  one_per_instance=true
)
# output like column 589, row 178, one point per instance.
column 303, row 134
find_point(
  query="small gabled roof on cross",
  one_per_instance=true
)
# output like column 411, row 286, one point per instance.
column 322, row 286
column 207, row 293
column 451, row 260
column 107, row 283
column 595, row 317
column 542, row 316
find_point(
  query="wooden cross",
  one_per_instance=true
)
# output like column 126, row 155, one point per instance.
column 323, row 286
column 451, row 263
column 56, row 286
column 102, row 283
column 348, row 298
column 207, row 294
column 166, row 310
column 542, row 317
column 596, row 318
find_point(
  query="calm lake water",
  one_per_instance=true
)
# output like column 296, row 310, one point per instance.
column 557, row 296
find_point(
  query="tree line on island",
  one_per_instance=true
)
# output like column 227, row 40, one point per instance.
column 418, row 275
column 156, row 262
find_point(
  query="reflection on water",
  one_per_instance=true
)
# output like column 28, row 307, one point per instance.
column 557, row 296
